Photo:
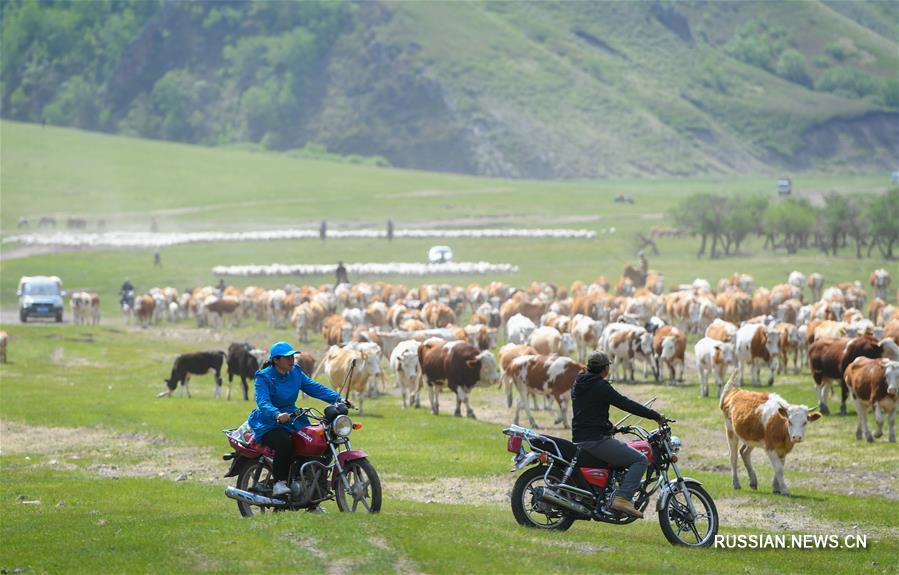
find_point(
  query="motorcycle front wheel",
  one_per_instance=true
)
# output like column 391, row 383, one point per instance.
column 674, row 518
column 532, row 512
column 364, row 488
column 250, row 475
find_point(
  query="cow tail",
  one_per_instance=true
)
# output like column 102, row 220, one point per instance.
column 728, row 388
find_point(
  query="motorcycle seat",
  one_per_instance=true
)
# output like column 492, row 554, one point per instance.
column 569, row 450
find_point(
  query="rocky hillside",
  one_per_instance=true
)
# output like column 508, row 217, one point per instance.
column 520, row 89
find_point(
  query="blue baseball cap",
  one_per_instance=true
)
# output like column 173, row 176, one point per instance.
column 280, row 349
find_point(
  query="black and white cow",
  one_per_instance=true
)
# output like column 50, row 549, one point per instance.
column 199, row 363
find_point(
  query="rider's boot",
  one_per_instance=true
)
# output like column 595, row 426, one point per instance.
column 625, row 506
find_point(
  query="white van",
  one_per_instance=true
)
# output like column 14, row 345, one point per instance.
column 40, row 296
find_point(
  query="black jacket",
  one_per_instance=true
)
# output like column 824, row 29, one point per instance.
column 591, row 397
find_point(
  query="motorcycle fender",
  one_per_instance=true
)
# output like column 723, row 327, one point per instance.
column 346, row 456
column 528, row 459
column 236, row 462
column 665, row 491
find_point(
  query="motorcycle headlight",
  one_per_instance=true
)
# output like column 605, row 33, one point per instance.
column 342, row 425
column 675, row 444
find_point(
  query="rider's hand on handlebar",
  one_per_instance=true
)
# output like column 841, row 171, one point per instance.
column 282, row 417
column 349, row 403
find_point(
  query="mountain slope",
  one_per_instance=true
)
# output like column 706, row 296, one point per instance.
column 514, row 89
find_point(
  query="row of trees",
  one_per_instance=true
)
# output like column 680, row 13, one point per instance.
column 202, row 72
column 868, row 221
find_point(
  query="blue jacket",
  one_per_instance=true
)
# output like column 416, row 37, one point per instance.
column 276, row 393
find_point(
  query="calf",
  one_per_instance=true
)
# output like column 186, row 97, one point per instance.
column 712, row 356
column 404, row 363
column 243, row 364
column 756, row 345
column 875, row 384
column 762, row 420
column 829, row 358
column 548, row 340
column 507, row 355
column 199, row 363
column 458, row 365
column 548, row 375
column 143, row 309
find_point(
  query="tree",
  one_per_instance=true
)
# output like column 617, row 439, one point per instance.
column 883, row 214
column 832, row 219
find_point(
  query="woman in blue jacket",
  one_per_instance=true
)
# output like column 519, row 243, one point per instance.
column 277, row 389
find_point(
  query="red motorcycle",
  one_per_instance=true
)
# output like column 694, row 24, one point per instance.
column 324, row 467
column 568, row 485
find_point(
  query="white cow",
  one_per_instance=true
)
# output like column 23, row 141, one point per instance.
column 404, row 363
column 712, row 356
column 519, row 328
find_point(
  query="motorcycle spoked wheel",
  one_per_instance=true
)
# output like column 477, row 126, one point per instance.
column 675, row 524
column 365, row 488
column 250, row 475
column 531, row 512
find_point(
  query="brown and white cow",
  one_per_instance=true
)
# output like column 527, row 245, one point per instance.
column 586, row 332
column 764, row 420
column 668, row 347
column 829, row 358
column 458, row 365
column 757, row 345
column 143, row 309
column 815, row 282
column 547, row 375
column 548, row 340
column 721, row 330
column 789, row 342
column 712, row 356
column 481, row 336
column 506, row 355
column 875, row 385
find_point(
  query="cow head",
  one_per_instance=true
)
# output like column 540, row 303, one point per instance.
column 728, row 354
column 891, row 374
column 567, row 343
column 488, row 372
column 797, row 417
column 668, row 346
column 772, row 342
column 890, row 349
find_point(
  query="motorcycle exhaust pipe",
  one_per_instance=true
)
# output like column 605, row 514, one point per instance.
column 553, row 498
column 252, row 498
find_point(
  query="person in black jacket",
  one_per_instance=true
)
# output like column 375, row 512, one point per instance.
column 591, row 429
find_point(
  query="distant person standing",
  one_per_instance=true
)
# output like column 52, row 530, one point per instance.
column 323, row 230
column 221, row 287
column 389, row 230
column 342, row 277
column 157, row 260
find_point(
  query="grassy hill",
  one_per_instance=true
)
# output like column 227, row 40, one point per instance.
column 513, row 89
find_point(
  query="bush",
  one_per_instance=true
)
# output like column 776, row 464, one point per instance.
column 848, row 82
column 791, row 66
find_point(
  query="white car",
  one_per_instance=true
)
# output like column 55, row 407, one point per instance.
column 40, row 296
column 440, row 254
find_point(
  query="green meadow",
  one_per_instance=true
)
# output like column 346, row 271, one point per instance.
column 99, row 475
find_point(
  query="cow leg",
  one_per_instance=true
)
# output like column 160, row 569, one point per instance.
column 891, row 423
column 746, row 455
column 218, row 387
column 434, row 397
column 360, row 398
column 523, row 398
column 732, row 444
column 823, row 387
column 878, row 417
column 773, row 367
column 459, row 395
column 243, row 382
column 740, row 367
column 563, row 412
column 466, row 397
column 703, row 381
column 778, row 485
column 844, row 393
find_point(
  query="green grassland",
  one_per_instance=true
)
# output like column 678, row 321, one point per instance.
column 104, row 379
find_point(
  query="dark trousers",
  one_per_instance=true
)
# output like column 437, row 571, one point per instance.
column 618, row 454
column 281, row 441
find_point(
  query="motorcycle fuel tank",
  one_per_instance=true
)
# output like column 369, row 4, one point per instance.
column 309, row 441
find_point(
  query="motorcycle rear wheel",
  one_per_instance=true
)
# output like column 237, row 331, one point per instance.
column 247, row 480
column 365, row 488
column 678, row 529
column 532, row 513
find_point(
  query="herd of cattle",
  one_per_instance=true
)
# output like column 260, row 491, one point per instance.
column 417, row 333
